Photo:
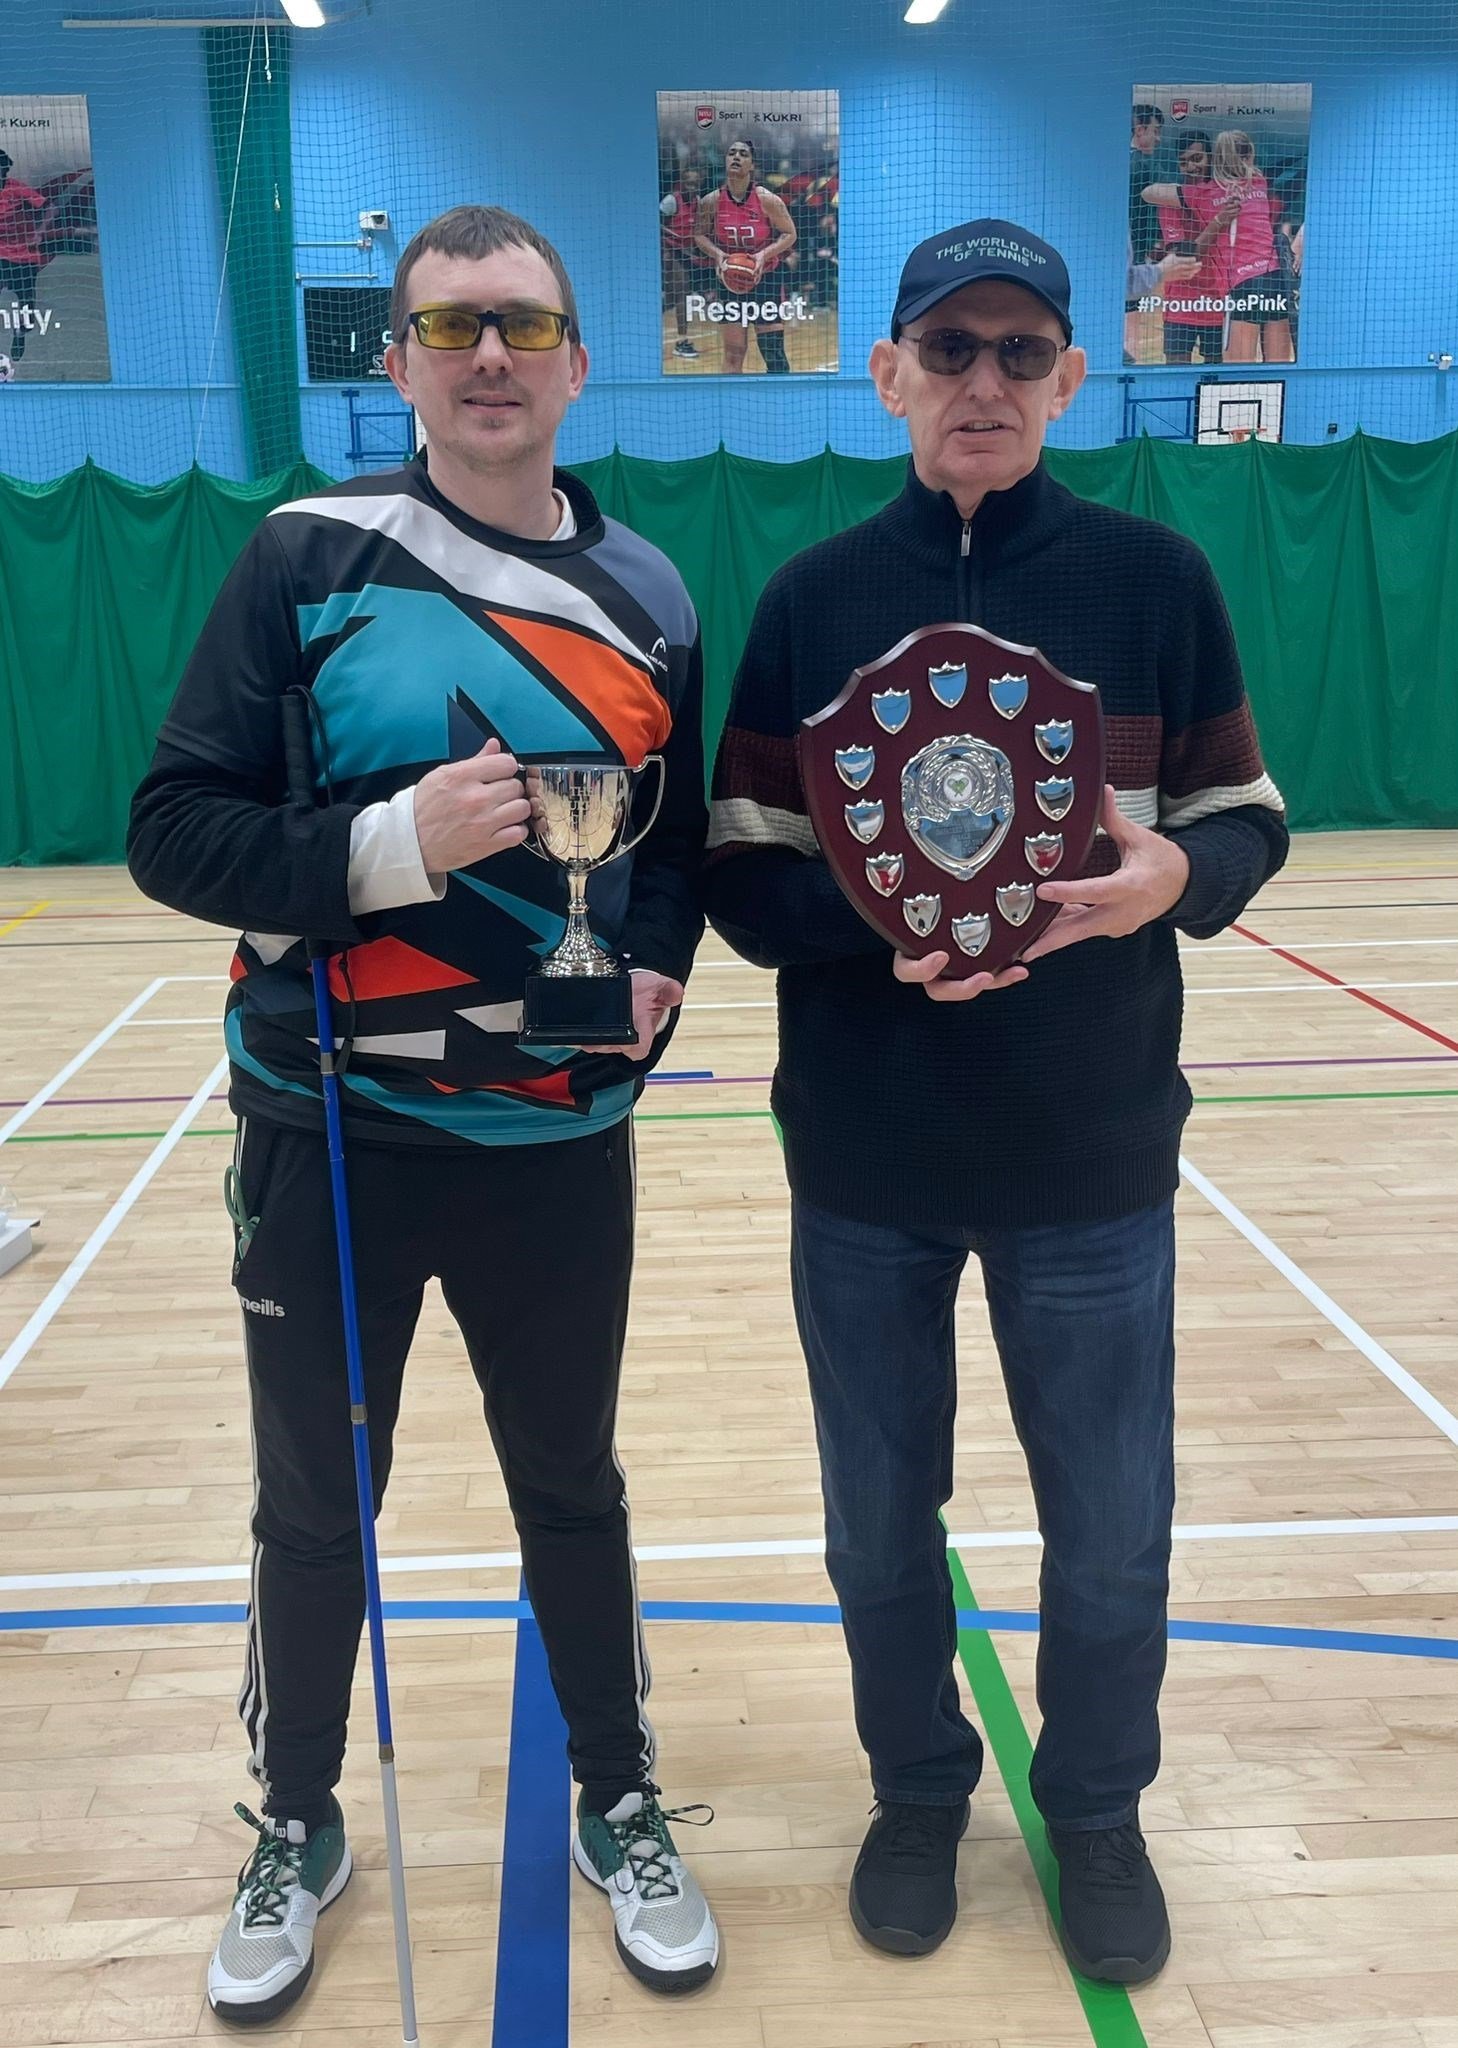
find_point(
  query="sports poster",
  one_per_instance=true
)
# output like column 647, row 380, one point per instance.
column 749, row 232
column 52, row 314
column 1217, row 223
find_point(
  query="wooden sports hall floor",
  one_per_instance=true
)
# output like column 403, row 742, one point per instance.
column 1306, row 1822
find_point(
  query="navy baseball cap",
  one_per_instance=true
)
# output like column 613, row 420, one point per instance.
column 943, row 263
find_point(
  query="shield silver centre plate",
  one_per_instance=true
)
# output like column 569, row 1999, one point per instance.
column 957, row 802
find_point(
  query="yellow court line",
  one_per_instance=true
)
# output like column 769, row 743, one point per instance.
column 25, row 916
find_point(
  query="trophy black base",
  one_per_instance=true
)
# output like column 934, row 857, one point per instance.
column 578, row 1009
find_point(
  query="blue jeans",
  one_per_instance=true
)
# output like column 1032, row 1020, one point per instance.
column 1083, row 1318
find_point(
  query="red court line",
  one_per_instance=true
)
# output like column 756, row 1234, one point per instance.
column 1335, row 981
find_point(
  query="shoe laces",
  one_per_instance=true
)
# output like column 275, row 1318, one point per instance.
column 270, row 1873
column 914, row 1833
column 644, row 1840
column 1113, row 1855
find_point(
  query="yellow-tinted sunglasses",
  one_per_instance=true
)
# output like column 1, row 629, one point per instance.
column 525, row 327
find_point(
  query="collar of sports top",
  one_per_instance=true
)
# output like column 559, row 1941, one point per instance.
column 1005, row 525
column 583, row 505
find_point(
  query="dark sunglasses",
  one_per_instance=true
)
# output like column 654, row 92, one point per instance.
column 949, row 351
column 528, row 327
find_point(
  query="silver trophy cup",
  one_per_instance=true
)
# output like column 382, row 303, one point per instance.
column 581, row 818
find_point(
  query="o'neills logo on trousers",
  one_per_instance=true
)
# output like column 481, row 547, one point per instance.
column 262, row 1308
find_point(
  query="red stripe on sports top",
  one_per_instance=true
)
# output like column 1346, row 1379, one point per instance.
column 1335, row 981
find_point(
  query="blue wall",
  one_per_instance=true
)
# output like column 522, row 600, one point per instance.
column 1017, row 109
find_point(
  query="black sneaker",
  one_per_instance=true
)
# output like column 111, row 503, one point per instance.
column 903, row 1890
column 1115, row 1927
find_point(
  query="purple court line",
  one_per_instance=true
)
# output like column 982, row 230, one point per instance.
column 1401, row 1059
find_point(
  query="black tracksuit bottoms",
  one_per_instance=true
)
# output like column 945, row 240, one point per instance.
column 533, row 1247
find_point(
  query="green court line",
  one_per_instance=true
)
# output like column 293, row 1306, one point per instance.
column 107, row 1137
column 1334, row 1095
column 1106, row 2007
column 701, row 1116
column 1111, row 2017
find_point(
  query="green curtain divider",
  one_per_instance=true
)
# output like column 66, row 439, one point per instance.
column 103, row 588
column 1339, row 564
column 248, row 111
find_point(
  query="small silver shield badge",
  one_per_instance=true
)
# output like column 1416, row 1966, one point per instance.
column 1055, row 739
column 855, row 765
column 922, row 913
column 1015, row 900
column 948, row 683
column 972, row 933
column 1044, row 851
column 1055, row 796
column 884, row 871
column 891, row 708
column 1008, row 693
column 866, row 819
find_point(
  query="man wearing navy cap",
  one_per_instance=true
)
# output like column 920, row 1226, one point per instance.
column 1031, row 1118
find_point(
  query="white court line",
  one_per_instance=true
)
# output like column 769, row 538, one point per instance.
column 1288, row 988
column 146, row 1172
column 166, row 1023
column 1260, row 988
column 783, row 1546
column 74, row 1066
column 1194, row 949
column 1426, row 1403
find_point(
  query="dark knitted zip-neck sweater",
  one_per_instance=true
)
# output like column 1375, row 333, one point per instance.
column 1059, row 1100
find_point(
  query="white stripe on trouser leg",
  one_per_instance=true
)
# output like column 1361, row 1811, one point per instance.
column 643, row 1669
column 255, row 1678
column 247, row 1691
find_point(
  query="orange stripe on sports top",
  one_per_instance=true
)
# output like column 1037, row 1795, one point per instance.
column 620, row 695
column 390, row 967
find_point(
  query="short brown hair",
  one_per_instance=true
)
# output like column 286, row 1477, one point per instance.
column 476, row 231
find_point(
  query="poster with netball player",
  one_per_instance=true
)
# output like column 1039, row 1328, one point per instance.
column 1217, row 223
column 52, row 314
column 749, row 232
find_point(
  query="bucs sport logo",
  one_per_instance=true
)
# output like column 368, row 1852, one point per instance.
column 704, row 117
column 945, row 782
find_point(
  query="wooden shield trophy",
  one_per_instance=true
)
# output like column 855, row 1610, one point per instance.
column 945, row 782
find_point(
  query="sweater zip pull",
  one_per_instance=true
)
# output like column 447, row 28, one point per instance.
column 966, row 538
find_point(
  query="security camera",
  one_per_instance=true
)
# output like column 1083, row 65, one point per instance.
column 1443, row 361
column 374, row 220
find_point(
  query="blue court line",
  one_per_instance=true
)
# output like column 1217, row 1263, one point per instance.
column 991, row 1620
column 533, row 1947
